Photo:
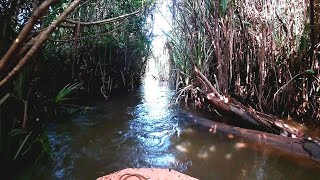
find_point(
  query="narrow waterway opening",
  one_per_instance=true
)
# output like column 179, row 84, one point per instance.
column 158, row 66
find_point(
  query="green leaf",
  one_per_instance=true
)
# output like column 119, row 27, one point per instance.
column 303, row 44
column 310, row 71
column 65, row 92
column 16, row 132
column 4, row 98
column 22, row 145
column 224, row 6
column 46, row 145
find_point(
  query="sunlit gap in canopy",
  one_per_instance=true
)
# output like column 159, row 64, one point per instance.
column 158, row 68
column 158, row 65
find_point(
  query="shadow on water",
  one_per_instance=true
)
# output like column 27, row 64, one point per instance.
column 141, row 130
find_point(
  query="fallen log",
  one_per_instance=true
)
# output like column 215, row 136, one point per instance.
column 231, row 106
column 274, row 132
column 303, row 148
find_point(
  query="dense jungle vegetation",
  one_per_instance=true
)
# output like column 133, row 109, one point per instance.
column 56, row 52
column 264, row 53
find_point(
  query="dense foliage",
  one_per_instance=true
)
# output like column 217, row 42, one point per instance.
column 101, row 46
column 264, row 53
column 102, row 56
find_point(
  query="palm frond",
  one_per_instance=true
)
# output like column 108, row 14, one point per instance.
column 65, row 92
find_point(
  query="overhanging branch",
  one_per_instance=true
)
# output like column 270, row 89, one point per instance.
column 42, row 38
column 36, row 15
column 105, row 21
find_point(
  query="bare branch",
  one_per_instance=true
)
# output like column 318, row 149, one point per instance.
column 42, row 38
column 38, row 13
column 106, row 21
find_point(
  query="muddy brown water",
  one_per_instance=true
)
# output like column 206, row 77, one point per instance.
column 142, row 130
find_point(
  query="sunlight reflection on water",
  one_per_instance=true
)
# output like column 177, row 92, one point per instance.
column 142, row 131
column 155, row 123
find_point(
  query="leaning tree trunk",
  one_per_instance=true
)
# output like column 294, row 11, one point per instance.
column 36, row 15
column 292, row 140
column 39, row 41
column 230, row 106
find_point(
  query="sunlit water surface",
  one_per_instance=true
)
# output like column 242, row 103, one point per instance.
column 142, row 130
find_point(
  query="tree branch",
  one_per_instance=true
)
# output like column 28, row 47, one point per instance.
column 42, row 38
column 111, row 20
column 38, row 13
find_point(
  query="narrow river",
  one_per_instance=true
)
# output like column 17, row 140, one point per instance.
column 142, row 130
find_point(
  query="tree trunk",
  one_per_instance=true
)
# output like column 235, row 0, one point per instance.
column 305, row 149
column 312, row 32
column 230, row 106
column 222, row 81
